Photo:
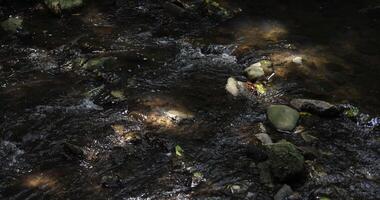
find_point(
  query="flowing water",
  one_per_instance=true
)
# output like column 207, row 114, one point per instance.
column 74, row 131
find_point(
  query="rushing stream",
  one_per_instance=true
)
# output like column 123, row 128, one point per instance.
column 127, row 100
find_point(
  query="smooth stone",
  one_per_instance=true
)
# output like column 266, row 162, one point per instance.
column 12, row 24
column 285, row 160
column 284, row 192
column 234, row 87
column 254, row 72
column 315, row 106
column 264, row 138
column 283, row 117
column 297, row 60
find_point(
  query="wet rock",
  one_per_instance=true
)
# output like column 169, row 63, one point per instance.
column 266, row 65
column 57, row 6
column 283, row 193
column 12, row 24
column 282, row 117
column 260, row 127
column 254, row 72
column 315, row 106
column 285, row 160
column 234, row 87
column 297, row 60
column 264, row 138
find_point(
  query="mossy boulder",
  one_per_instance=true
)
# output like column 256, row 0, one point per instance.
column 283, row 117
column 12, row 24
column 57, row 6
column 285, row 160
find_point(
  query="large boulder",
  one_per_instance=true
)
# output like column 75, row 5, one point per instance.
column 285, row 160
column 315, row 106
column 282, row 117
column 57, row 6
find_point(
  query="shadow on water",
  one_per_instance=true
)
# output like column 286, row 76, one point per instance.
column 70, row 131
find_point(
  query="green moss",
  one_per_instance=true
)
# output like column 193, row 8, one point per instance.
column 285, row 160
column 58, row 6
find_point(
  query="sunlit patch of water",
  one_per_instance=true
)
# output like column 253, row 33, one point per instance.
column 40, row 181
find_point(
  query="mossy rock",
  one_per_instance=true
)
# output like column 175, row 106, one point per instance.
column 12, row 24
column 57, row 6
column 283, row 117
column 285, row 160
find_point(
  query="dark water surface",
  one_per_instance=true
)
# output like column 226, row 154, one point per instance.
column 109, row 132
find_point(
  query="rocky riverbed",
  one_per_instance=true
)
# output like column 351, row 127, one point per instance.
column 130, row 99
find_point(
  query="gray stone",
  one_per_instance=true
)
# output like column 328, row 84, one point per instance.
column 284, row 192
column 314, row 106
column 282, row 117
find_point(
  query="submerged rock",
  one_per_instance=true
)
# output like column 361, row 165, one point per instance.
column 254, row 72
column 12, row 24
column 283, row 117
column 57, row 6
column 283, row 193
column 285, row 160
column 315, row 106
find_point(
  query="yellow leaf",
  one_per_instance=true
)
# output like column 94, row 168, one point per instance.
column 260, row 88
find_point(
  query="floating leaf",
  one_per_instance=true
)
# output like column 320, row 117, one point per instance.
column 179, row 151
column 260, row 88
